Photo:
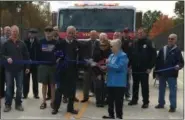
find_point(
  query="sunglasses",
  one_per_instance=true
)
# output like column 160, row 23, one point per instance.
column 48, row 30
column 170, row 38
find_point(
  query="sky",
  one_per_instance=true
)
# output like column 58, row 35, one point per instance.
column 166, row 7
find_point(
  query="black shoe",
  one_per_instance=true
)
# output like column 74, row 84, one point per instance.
column 132, row 103
column 172, row 110
column 119, row 117
column 159, row 106
column 19, row 107
column 25, row 97
column 108, row 117
column 54, row 112
column 36, row 97
column 73, row 111
column 144, row 106
column 7, row 108
column 84, row 100
column 99, row 105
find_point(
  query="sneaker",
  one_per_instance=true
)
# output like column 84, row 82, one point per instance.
column 7, row 108
column 19, row 107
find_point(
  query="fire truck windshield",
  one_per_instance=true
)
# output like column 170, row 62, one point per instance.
column 107, row 20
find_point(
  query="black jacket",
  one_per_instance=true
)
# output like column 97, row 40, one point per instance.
column 17, row 51
column 143, row 55
column 100, row 56
column 173, row 57
column 127, row 46
column 33, row 48
column 67, row 71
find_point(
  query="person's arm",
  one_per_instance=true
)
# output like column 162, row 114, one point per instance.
column 158, row 61
column 4, row 53
column 180, row 60
column 122, row 62
column 153, row 55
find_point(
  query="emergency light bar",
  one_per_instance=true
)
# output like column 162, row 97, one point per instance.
column 99, row 4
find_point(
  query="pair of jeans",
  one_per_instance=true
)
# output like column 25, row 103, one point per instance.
column 10, row 76
column 172, row 82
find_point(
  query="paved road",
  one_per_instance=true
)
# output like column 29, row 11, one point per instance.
column 89, row 111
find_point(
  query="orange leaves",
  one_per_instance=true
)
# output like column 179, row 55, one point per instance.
column 164, row 23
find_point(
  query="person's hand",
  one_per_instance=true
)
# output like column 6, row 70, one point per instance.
column 99, row 77
column 9, row 60
column 103, row 67
column 27, row 71
column 93, row 64
column 177, row 67
column 106, row 61
column 57, row 61
column 129, row 70
column 148, row 71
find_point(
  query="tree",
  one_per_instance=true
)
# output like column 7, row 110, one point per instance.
column 149, row 18
column 163, row 24
column 32, row 14
column 179, row 9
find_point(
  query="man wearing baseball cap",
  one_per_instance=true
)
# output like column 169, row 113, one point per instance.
column 32, row 44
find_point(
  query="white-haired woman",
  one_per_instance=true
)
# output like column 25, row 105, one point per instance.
column 117, row 65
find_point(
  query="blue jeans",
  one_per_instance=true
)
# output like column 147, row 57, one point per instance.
column 10, row 76
column 172, row 82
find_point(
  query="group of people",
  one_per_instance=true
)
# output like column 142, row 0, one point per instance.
column 109, row 65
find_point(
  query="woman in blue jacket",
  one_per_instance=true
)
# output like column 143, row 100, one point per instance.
column 116, row 79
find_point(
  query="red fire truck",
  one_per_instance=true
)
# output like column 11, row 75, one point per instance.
column 106, row 18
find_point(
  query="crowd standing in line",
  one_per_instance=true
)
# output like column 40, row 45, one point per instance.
column 109, row 66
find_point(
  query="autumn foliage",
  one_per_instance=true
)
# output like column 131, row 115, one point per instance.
column 164, row 23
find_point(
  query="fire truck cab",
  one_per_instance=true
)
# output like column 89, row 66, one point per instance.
column 106, row 18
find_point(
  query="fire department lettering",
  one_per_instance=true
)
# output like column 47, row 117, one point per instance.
column 86, row 34
column 47, row 47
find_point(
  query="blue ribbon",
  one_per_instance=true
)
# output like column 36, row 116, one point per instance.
column 64, row 62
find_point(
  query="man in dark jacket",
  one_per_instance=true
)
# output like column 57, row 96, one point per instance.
column 127, row 45
column 32, row 44
column 169, row 56
column 13, row 51
column 4, row 37
column 93, row 46
column 142, row 61
column 67, row 74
